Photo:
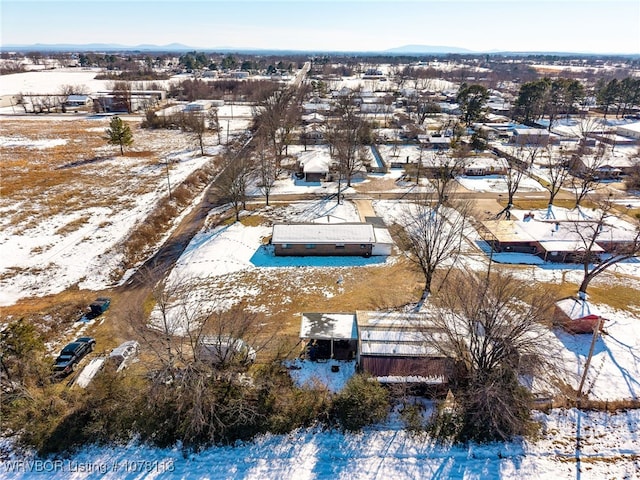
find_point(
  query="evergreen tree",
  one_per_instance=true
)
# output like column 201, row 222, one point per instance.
column 119, row 133
column 472, row 100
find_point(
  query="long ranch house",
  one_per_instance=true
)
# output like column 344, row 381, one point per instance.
column 341, row 239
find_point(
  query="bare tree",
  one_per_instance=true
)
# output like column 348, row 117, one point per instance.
column 587, row 126
column 163, row 336
column 194, row 124
column 122, row 99
column 557, row 170
column 182, row 321
column 231, row 339
column 347, row 137
column 445, row 169
column 200, row 399
column 432, row 236
column 401, row 74
column 275, row 119
column 512, row 177
column 214, row 123
column 40, row 103
column 585, row 169
column 620, row 244
column 491, row 327
column 233, row 180
column 417, row 169
column 267, row 170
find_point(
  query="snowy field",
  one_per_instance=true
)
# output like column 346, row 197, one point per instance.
column 227, row 265
column 573, row 445
column 50, row 81
column 49, row 255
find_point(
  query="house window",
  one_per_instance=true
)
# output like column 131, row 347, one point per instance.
column 310, row 245
column 340, row 245
column 363, row 246
column 286, row 245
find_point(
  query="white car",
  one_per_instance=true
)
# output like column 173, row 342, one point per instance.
column 121, row 356
column 224, row 350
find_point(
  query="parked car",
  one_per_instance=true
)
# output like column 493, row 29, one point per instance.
column 121, row 356
column 71, row 355
column 222, row 349
column 99, row 306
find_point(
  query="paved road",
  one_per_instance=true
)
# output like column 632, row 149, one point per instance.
column 300, row 76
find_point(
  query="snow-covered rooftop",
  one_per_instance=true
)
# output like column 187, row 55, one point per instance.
column 326, row 326
column 323, row 233
column 576, row 308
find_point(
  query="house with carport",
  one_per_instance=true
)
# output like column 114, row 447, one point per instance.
column 559, row 240
column 393, row 347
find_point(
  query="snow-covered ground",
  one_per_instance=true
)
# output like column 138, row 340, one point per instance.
column 218, row 256
column 573, row 445
column 306, row 373
column 50, row 82
column 223, row 255
column 497, row 184
column 45, row 258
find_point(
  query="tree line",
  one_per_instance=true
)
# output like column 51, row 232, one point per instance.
column 560, row 96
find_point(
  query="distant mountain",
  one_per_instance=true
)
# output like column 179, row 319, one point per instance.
column 409, row 50
column 427, row 49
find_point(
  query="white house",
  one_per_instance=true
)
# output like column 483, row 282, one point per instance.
column 630, row 130
column 330, row 239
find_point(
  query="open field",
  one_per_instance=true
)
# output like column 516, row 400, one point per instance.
column 68, row 200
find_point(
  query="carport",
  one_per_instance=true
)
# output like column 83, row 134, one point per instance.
column 329, row 335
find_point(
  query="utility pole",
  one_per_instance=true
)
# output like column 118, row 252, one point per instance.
column 596, row 334
column 168, row 180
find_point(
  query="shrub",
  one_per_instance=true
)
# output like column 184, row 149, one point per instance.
column 496, row 410
column 486, row 410
column 287, row 406
column 411, row 415
column 362, row 402
column 445, row 424
column 105, row 412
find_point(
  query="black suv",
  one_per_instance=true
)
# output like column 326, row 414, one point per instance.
column 71, row 355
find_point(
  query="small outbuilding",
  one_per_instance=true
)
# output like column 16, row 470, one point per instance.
column 78, row 101
column 398, row 347
column 329, row 335
column 576, row 315
column 480, row 166
column 531, row 136
column 313, row 167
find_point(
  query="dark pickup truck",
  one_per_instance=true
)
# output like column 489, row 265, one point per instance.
column 71, row 355
column 99, row 306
